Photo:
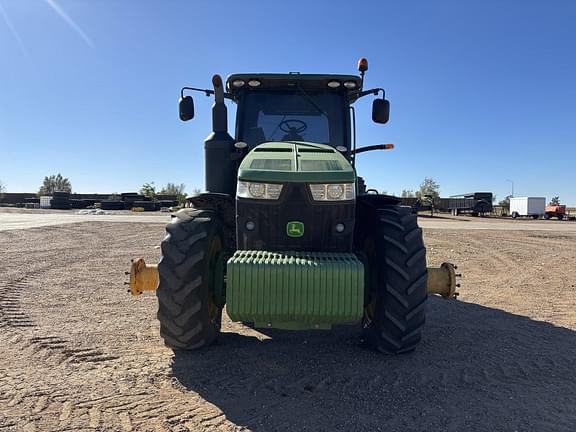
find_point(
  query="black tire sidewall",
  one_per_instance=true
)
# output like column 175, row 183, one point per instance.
column 188, row 225
column 388, row 309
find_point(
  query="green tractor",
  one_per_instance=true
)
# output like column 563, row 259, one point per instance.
column 286, row 235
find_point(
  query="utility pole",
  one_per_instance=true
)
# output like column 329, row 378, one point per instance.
column 512, row 182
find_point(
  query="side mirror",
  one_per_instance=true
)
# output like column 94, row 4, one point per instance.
column 380, row 111
column 186, row 108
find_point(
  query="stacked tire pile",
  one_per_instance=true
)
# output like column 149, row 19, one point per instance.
column 31, row 202
column 112, row 205
column 166, row 203
column 78, row 204
column 129, row 198
column 146, row 205
column 90, row 202
column 60, row 200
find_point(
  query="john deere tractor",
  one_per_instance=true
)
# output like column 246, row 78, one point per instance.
column 286, row 235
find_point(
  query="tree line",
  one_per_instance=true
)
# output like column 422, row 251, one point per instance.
column 59, row 183
column 429, row 188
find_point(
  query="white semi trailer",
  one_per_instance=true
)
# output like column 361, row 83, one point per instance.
column 534, row 207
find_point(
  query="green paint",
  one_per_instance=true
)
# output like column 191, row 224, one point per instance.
column 284, row 162
column 218, row 289
column 294, row 290
column 295, row 229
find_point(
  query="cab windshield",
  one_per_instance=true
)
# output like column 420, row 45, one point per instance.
column 317, row 117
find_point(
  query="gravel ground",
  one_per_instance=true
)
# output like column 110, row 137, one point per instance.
column 78, row 353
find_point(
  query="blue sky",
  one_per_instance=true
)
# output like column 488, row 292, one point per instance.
column 481, row 92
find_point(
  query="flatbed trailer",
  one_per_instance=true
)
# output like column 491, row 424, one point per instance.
column 476, row 203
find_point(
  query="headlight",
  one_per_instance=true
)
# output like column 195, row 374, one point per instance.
column 335, row 191
column 256, row 190
column 332, row 192
column 265, row 191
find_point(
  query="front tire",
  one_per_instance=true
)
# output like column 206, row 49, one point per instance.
column 189, row 270
column 396, row 311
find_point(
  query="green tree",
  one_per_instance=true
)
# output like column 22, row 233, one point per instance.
column 2, row 190
column 505, row 203
column 115, row 196
column 55, row 183
column 148, row 190
column 555, row 201
column 428, row 188
column 407, row 193
column 174, row 189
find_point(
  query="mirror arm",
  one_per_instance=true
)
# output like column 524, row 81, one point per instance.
column 373, row 147
column 373, row 91
column 207, row 92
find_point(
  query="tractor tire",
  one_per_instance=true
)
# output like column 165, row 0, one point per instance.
column 189, row 318
column 396, row 312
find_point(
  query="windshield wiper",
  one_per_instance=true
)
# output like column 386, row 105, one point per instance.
column 311, row 101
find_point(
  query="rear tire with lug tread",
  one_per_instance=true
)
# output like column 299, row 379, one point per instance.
column 395, row 316
column 189, row 318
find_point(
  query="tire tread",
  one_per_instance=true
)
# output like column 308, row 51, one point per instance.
column 399, row 285
column 183, row 297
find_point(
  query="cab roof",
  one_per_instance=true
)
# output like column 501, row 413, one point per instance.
column 293, row 80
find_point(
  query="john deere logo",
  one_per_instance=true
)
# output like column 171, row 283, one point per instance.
column 295, row 229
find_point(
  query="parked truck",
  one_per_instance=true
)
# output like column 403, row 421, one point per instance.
column 533, row 207
column 555, row 211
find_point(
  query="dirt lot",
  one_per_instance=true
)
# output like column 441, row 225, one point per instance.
column 78, row 353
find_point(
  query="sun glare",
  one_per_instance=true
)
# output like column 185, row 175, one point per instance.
column 13, row 30
column 58, row 9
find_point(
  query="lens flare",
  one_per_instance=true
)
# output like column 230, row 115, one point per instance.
column 13, row 31
column 58, row 9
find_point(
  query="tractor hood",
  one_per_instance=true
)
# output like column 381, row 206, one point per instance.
column 295, row 162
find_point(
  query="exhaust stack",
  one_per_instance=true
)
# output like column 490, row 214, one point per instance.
column 219, row 111
column 220, row 167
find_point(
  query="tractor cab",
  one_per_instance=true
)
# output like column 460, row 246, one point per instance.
column 294, row 107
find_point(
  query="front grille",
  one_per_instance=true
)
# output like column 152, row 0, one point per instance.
column 295, row 204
